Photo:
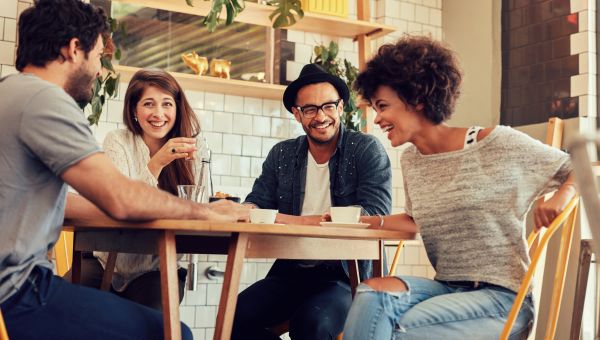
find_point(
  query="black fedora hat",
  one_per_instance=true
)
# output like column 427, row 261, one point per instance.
column 311, row 74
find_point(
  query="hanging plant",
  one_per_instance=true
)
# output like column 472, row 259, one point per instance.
column 327, row 57
column 285, row 14
column 107, row 85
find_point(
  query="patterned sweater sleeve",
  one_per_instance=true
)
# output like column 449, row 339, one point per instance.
column 120, row 149
column 545, row 167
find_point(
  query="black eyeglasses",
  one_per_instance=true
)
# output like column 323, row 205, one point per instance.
column 310, row 111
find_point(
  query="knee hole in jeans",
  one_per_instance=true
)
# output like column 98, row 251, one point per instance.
column 386, row 284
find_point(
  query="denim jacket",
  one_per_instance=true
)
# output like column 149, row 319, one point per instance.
column 359, row 170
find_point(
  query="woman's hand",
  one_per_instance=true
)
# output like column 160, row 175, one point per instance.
column 545, row 212
column 174, row 148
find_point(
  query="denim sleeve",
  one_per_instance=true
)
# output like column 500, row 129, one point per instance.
column 374, row 191
column 264, row 190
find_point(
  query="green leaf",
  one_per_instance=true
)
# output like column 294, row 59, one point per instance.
column 333, row 50
column 118, row 54
column 286, row 12
column 230, row 13
column 109, row 86
column 107, row 64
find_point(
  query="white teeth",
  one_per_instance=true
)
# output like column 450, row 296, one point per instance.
column 322, row 126
column 387, row 128
column 158, row 124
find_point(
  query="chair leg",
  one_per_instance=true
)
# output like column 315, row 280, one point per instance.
column 76, row 269
column 3, row 332
column 583, row 271
column 109, row 269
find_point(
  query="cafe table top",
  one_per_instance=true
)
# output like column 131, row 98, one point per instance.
column 238, row 240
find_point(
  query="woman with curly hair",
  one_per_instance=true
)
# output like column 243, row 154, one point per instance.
column 467, row 190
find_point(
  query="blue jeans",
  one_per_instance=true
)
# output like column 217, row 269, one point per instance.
column 435, row 310
column 48, row 307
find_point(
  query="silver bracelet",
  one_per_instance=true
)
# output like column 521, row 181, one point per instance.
column 380, row 221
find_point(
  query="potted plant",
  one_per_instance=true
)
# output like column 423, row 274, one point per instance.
column 107, row 85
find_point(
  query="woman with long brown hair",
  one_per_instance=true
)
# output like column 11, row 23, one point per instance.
column 158, row 148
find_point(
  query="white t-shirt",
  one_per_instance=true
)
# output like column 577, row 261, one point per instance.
column 317, row 197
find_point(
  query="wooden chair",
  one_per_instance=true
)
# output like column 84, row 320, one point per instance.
column 566, row 220
column 3, row 332
column 63, row 252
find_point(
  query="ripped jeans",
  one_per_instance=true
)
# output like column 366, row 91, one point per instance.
column 435, row 310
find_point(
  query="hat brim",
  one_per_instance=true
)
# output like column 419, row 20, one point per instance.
column 290, row 93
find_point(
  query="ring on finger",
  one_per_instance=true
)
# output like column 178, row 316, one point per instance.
column 173, row 150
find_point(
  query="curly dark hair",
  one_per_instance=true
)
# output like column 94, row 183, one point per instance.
column 420, row 70
column 50, row 25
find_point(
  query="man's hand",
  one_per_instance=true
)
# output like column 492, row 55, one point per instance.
column 229, row 211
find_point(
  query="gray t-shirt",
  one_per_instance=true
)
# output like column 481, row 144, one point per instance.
column 471, row 204
column 43, row 132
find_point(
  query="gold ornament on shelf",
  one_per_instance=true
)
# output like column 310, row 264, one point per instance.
column 197, row 63
column 220, row 68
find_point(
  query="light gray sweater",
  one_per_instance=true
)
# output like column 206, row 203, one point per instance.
column 471, row 204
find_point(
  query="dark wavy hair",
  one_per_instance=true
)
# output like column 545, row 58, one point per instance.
column 186, row 124
column 420, row 70
column 50, row 25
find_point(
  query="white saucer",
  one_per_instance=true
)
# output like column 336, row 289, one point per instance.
column 344, row 225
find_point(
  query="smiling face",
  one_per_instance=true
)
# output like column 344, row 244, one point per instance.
column 324, row 127
column 401, row 122
column 156, row 112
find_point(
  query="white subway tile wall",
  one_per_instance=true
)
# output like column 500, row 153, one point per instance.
column 241, row 130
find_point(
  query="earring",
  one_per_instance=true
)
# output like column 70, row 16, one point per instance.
column 135, row 118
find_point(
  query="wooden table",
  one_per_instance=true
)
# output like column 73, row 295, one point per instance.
column 237, row 240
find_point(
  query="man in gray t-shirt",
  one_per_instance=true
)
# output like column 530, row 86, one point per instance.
column 45, row 145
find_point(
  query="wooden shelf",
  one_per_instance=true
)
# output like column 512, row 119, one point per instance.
column 259, row 15
column 213, row 84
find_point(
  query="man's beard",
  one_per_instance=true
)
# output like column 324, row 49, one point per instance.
column 79, row 86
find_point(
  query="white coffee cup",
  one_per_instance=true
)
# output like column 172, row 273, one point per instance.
column 345, row 214
column 263, row 216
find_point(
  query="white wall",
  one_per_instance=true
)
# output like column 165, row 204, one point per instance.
column 472, row 29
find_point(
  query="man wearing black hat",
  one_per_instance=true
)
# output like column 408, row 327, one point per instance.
column 303, row 178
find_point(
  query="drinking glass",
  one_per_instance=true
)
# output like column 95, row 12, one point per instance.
column 191, row 192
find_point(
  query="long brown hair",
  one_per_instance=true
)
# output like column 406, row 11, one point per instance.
column 186, row 124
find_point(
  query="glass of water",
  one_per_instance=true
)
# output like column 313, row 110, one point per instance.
column 191, row 192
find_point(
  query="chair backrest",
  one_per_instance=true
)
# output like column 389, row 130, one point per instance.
column 63, row 252
column 566, row 220
column 3, row 332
